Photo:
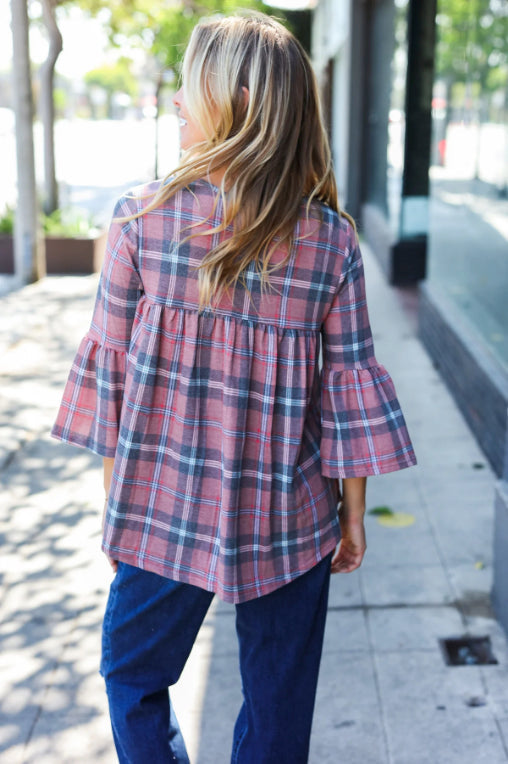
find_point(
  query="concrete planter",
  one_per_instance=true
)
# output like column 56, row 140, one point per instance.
column 6, row 253
column 75, row 255
column 63, row 254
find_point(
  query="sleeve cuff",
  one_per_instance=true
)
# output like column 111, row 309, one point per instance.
column 363, row 431
column 89, row 414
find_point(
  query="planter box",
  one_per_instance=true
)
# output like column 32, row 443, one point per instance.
column 6, row 253
column 63, row 255
column 79, row 255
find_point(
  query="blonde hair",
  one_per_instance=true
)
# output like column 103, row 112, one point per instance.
column 272, row 146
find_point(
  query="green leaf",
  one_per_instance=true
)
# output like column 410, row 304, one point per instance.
column 69, row 222
column 380, row 511
column 7, row 221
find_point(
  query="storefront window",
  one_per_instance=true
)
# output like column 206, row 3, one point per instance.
column 468, row 236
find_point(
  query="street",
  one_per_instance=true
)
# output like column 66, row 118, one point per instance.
column 96, row 160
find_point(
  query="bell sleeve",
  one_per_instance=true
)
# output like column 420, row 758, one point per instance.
column 363, row 431
column 89, row 413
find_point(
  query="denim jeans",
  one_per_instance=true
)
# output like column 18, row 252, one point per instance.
column 150, row 626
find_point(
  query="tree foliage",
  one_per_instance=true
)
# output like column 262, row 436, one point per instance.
column 161, row 28
column 472, row 42
column 113, row 78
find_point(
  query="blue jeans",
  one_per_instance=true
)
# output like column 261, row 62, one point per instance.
column 150, row 626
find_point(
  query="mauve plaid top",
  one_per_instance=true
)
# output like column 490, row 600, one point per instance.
column 225, row 429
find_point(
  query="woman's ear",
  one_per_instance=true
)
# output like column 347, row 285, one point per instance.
column 246, row 96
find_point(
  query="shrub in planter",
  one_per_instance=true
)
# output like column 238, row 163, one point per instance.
column 7, row 241
column 73, row 243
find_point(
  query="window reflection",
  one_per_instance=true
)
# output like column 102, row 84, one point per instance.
column 468, row 242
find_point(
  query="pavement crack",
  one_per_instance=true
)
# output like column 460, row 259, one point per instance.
column 33, row 725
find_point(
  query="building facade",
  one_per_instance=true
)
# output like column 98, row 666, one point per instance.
column 417, row 101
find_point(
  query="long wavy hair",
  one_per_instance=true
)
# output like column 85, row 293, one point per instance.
column 272, row 146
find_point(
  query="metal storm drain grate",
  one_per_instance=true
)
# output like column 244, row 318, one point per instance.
column 467, row 651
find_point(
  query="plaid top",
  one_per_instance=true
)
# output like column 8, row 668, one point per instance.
column 225, row 426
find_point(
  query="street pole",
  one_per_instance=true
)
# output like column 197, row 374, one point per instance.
column 28, row 247
column 418, row 135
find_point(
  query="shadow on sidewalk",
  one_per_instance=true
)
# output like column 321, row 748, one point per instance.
column 53, row 593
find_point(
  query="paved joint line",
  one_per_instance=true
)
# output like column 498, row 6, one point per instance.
column 501, row 736
column 34, row 724
column 377, row 684
column 442, row 558
column 457, row 604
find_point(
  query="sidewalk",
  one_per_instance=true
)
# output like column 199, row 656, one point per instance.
column 385, row 694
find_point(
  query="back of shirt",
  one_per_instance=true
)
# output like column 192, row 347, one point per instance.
column 224, row 429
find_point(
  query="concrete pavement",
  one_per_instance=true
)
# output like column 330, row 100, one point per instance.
column 385, row 694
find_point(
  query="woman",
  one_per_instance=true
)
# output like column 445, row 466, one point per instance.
column 200, row 384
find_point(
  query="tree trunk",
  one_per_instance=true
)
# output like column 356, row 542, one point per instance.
column 158, row 91
column 47, row 105
column 28, row 247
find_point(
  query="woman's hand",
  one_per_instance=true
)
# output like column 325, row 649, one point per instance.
column 352, row 546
